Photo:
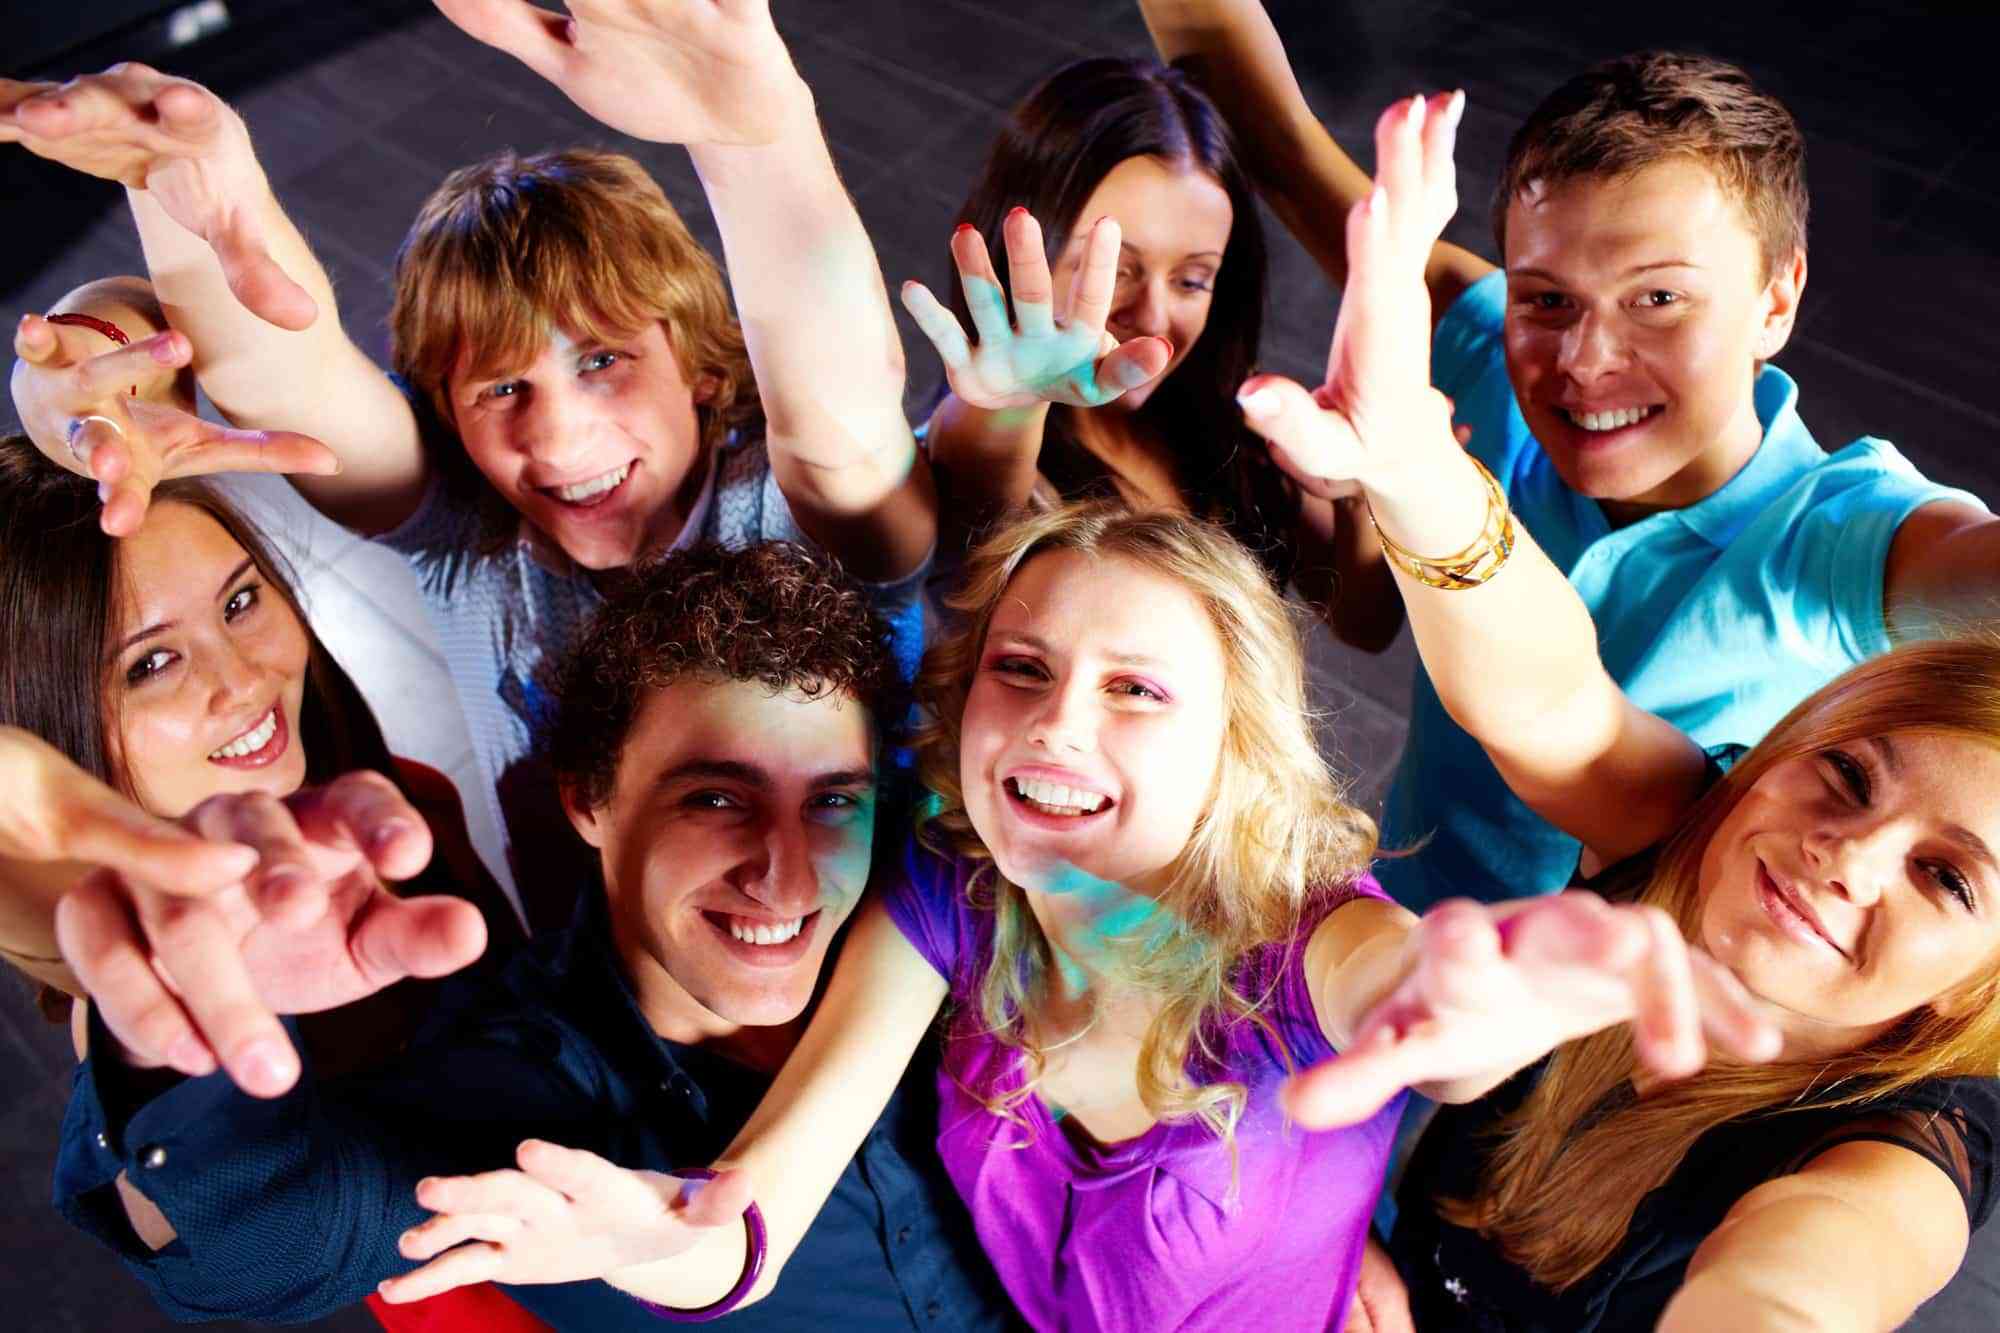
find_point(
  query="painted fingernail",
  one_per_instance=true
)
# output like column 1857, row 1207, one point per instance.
column 961, row 229
column 1015, row 212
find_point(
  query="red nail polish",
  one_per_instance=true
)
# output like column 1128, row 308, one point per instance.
column 1016, row 209
column 962, row 228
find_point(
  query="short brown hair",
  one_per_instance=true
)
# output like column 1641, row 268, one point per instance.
column 1624, row 115
column 581, row 240
column 777, row 614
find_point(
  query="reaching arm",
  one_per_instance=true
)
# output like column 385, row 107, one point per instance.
column 1943, row 570
column 1857, row 1240
column 568, row 1215
column 269, row 347
column 1232, row 50
column 1514, row 659
column 715, row 75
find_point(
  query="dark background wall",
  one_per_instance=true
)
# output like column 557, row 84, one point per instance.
column 359, row 108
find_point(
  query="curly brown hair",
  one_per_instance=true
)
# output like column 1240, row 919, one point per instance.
column 775, row 613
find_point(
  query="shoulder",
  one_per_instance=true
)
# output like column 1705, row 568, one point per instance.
column 929, row 897
column 1951, row 1123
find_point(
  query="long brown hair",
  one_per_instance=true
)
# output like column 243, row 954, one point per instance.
column 1574, row 1161
column 58, row 586
column 1277, row 833
column 1057, row 145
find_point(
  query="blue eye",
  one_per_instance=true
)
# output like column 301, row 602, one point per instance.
column 504, row 389
column 599, row 361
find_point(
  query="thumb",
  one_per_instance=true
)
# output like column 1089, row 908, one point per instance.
column 1308, row 442
column 1132, row 364
column 258, row 451
column 717, row 1202
column 255, row 279
column 1354, row 1085
column 36, row 343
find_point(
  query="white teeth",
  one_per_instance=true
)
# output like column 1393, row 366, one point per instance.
column 250, row 741
column 1624, row 416
column 1056, row 798
column 584, row 490
column 764, row 932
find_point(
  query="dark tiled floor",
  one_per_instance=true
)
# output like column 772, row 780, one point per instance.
column 358, row 109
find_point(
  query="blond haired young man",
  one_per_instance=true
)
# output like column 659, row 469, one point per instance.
column 572, row 392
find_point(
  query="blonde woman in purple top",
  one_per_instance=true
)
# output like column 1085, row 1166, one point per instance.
column 1145, row 900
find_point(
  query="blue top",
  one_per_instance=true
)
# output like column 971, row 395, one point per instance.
column 291, row 1208
column 1719, row 617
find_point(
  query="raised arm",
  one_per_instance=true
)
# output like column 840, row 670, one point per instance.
column 715, row 75
column 1507, row 642
column 985, row 437
column 1852, row 1243
column 566, row 1216
column 233, row 275
column 1232, row 50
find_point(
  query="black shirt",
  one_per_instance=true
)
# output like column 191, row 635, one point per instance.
column 1458, row 1279
column 290, row 1208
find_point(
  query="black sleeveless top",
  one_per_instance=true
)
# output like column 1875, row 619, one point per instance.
column 1459, row 1280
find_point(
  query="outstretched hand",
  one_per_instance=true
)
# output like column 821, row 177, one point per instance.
column 181, row 144
column 1492, row 990
column 1365, row 423
column 671, row 71
column 109, row 415
column 565, row 1216
column 195, row 979
column 1036, row 356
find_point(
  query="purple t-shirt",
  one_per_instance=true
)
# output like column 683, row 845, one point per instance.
column 1142, row 1236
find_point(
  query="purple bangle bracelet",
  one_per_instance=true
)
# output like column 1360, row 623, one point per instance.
column 753, row 1265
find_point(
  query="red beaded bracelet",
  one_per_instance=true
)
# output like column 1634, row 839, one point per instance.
column 103, row 326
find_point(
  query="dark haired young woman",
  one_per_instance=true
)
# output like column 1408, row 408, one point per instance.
column 173, row 662
column 1132, row 327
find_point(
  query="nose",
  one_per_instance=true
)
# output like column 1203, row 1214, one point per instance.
column 552, row 428
column 1591, row 347
column 1064, row 720
column 1857, row 862
column 787, row 882
column 234, row 678
column 1144, row 311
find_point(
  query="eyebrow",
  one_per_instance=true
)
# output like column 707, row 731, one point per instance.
column 1974, row 845
column 1192, row 254
column 1891, row 760
column 1634, row 271
column 166, row 625
column 750, row 775
column 1041, row 645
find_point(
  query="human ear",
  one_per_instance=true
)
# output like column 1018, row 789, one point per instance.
column 706, row 386
column 1968, row 997
column 1781, row 305
column 582, row 815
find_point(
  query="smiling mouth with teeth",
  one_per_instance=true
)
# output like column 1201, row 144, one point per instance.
column 252, row 740
column 1053, row 798
column 592, row 492
column 1615, row 419
column 762, row 932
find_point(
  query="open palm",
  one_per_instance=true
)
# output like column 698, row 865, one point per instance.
column 178, row 142
column 1034, row 356
column 670, row 71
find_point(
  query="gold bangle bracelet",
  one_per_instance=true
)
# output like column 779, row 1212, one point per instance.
column 1479, row 561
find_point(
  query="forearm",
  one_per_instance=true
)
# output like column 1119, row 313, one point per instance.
column 314, row 381
column 986, row 460
column 1344, row 574
column 823, row 343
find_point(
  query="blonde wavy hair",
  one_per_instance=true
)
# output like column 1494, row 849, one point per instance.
column 580, row 240
column 1560, row 1188
column 1277, row 831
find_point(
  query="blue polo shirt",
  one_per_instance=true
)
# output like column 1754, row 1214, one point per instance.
column 289, row 1209
column 1718, row 617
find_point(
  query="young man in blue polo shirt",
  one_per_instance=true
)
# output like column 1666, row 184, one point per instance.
column 721, row 722
column 1616, row 378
